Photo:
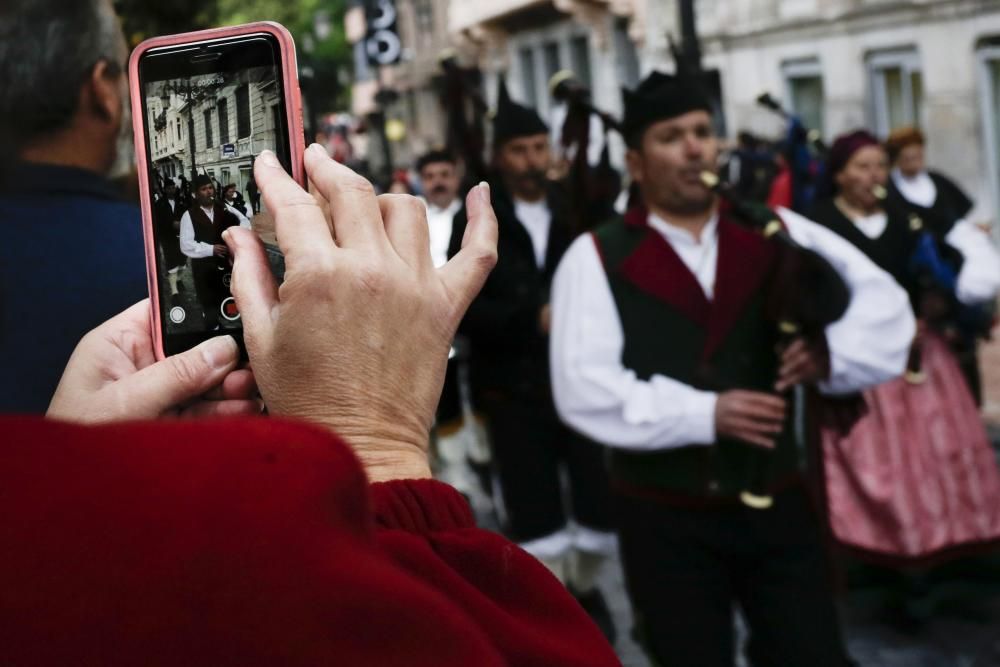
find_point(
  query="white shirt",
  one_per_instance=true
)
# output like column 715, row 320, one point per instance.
column 439, row 225
column 698, row 255
column 536, row 218
column 979, row 278
column 196, row 249
column 920, row 189
column 598, row 396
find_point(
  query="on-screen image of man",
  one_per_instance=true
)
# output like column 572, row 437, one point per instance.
column 508, row 329
column 167, row 213
column 662, row 348
column 201, row 240
column 254, row 193
column 232, row 198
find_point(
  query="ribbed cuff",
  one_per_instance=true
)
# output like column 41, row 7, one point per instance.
column 419, row 506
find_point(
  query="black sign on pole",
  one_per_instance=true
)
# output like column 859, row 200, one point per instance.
column 382, row 43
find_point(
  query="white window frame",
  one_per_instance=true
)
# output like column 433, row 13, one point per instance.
column 802, row 68
column 908, row 60
column 984, row 57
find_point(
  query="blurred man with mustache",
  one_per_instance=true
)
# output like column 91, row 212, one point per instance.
column 438, row 172
column 508, row 328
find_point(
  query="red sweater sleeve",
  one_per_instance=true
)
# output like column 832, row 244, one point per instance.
column 254, row 542
column 428, row 531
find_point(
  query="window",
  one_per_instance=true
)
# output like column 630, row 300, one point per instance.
column 989, row 75
column 897, row 89
column 804, row 91
column 527, row 60
column 579, row 50
column 178, row 129
column 223, row 121
column 243, row 111
column 424, row 11
column 208, row 129
column 627, row 56
column 552, row 61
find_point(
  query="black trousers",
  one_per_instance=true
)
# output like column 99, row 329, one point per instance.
column 529, row 446
column 209, row 287
column 685, row 568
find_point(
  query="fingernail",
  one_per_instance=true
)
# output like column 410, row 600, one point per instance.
column 226, row 236
column 316, row 148
column 269, row 159
column 220, row 352
column 484, row 192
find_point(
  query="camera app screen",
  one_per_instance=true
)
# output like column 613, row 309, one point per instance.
column 204, row 132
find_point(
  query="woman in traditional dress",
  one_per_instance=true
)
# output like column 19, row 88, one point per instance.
column 914, row 478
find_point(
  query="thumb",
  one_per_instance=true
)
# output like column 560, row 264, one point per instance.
column 467, row 271
column 178, row 379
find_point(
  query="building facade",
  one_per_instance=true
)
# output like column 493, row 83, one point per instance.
column 843, row 64
column 227, row 120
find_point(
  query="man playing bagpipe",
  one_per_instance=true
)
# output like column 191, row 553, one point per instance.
column 665, row 347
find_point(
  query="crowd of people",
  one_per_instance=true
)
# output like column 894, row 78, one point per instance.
column 728, row 384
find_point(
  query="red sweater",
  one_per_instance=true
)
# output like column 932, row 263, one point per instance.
column 255, row 542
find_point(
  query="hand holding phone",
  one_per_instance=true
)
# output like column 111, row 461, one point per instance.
column 205, row 105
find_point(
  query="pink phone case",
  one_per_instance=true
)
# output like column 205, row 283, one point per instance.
column 293, row 100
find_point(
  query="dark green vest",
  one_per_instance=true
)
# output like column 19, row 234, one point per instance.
column 672, row 330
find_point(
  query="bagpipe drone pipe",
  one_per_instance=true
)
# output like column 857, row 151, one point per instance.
column 808, row 295
column 592, row 188
column 804, row 152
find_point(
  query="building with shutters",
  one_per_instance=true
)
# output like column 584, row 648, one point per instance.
column 234, row 117
column 842, row 64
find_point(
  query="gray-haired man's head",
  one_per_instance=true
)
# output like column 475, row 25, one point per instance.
column 62, row 63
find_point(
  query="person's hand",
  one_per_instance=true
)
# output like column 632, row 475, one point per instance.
column 220, row 250
column 545, row 319
column 357, row 337
column 751, row 416
column 802, row 362
column 113, row 375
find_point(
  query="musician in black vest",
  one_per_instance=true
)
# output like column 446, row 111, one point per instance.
column 663, row 347
column 167, row 214
column 201, row 240
column 508, row 330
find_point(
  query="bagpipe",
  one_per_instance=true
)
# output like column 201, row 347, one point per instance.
column 808, row 295
column 593, row 189
column 804, row 152
column 935, row 267
column 458, row 90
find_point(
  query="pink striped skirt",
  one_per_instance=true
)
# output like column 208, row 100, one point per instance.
column 915, row 475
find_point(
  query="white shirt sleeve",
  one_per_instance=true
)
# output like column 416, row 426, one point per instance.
column 244, row 221
column 871, row 342
column 594, row 393
column 190, row 247
column 979, row 278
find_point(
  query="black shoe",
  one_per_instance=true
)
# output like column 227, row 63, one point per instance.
column 597, row 608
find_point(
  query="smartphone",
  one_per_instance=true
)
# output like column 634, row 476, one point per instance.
column 204, row 106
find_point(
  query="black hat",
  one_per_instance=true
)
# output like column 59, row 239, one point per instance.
column 513, row 120
column 201, row 180
column 660, row 97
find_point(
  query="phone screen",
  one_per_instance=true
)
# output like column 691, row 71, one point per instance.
column 209, row 110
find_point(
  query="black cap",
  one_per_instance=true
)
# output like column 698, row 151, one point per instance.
column 660, row 97
column 201, row 180
column 513, row 120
